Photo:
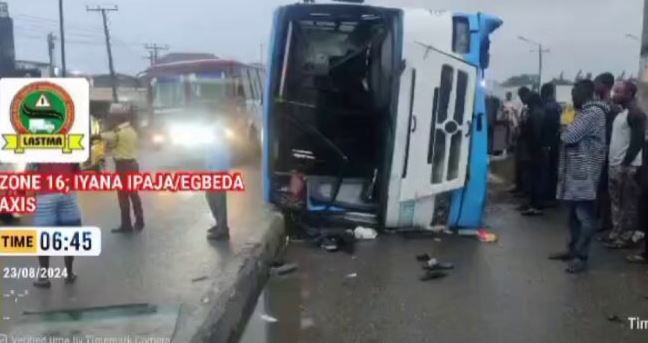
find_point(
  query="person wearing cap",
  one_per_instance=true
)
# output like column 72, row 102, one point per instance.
column 123, row 140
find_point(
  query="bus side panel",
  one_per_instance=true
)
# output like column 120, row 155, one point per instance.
column 274, row 59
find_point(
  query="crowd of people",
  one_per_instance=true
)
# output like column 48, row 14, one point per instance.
column 596, row 164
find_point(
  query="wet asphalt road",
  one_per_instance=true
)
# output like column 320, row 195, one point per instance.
column 503, row 292
column 155, row 266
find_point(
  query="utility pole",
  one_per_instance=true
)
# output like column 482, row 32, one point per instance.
column 154, row 51
column 150, row 58
column 540, row 50
column 62, row 32
column 104, row 16
column 50, row 49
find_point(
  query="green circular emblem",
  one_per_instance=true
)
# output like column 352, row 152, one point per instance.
column 42, row 108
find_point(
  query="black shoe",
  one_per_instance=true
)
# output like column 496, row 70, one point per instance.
column 70, row 279
column 122, row 229
column 576, row 266
column 522, row 208
column 218, row 235
column 637, row 259
column 432, row 275
column 423, row 257
column 42, row 283
column 617, row 244
column 139, row 226
column 532, row 212
column 439, row 266
column 562, row 256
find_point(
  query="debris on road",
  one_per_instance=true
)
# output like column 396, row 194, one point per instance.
column 277, row 263
column 614, row 318
column 333, row 242
column 486, row 236
column 439, row 228
column 307, row 323
column 352, row 276
column 423, row 257
column 438, row 240
column 284, row 269
column 200, row 278
column 439, row 266
column 467, row 232
column 365, row 233
column 433, row 275
column 268, row 318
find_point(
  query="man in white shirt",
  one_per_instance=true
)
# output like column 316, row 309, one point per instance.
column 625, row 160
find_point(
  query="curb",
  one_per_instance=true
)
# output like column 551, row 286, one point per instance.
column 227, row 315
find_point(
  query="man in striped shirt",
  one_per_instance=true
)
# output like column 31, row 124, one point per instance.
column 581, row 162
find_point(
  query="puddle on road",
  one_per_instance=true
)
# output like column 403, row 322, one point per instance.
column 279, row 316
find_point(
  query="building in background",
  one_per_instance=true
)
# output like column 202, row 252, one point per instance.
column 43, row 68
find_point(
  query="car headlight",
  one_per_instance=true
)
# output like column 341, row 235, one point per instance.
column 158, row 138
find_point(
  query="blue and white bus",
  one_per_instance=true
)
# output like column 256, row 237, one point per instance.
column 380, row 112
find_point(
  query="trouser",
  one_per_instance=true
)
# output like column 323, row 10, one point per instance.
column 581, row 228
column 552, row 174
column 603, row 205
column 539, row 181
column 217, row 202
column 127, row 198
column 643, row 218
column 624, row 198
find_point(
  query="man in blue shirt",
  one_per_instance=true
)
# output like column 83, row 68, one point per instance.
column 218, row 159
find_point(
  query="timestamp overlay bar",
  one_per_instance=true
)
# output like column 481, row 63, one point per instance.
column 50, row 241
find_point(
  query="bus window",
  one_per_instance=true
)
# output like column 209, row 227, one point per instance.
column 457, row 138
column 208, row 88
column 247, row 86
column 249, row 72
column 168, row 93
column 259, row 81
column 439, row 116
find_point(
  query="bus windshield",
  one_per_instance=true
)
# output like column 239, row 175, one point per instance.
column 197, row 90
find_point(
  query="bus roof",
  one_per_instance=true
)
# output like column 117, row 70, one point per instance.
column 194, row 66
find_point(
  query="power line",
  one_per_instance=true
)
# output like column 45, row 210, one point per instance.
column 154, row 51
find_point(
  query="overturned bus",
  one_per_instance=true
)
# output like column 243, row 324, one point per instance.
column 375, row 115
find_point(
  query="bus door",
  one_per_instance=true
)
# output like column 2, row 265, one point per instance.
column 441, row 100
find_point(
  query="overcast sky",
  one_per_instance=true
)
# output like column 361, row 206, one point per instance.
column 582, row 34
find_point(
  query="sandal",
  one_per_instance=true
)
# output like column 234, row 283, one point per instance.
column 617, row 245
column 638, row 259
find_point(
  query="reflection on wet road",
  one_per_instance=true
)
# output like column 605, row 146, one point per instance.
column 156, row 266
column 503, row 292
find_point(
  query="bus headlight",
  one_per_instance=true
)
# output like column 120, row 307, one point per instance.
column 191, row 135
